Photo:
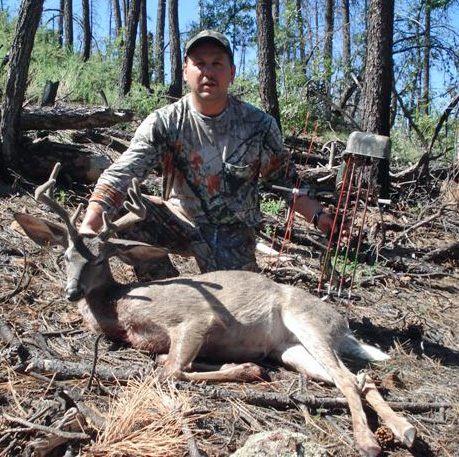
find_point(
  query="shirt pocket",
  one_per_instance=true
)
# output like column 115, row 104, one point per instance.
column 236, row 177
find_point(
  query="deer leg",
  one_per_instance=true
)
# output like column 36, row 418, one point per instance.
column 402, row 429
column 185, row 345
column 298, row 359
column 323, row 364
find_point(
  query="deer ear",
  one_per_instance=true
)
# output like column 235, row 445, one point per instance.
column 43, row 232
column 135, row 252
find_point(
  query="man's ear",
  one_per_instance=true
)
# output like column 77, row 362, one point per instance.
column 184, row 70
column 135, row 252
column 43, row 232
column 233, row 72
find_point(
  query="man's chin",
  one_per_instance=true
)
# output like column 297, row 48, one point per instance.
column 208, row 95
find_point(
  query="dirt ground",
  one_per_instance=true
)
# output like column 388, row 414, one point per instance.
column 401, row 302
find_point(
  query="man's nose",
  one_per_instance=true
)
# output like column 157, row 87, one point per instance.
column 207, row 70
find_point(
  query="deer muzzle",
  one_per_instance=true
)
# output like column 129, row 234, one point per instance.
column 73, row 292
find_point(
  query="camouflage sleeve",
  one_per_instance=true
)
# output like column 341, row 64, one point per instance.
column 143, row 154
column 277, row 168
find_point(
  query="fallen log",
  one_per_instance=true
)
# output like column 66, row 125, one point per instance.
column 79, row 163
column 93, row 136
column 72, row 119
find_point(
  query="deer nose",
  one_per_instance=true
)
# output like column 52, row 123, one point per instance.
column 73, row 291
column 74, row 294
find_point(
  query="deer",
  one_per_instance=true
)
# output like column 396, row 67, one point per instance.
column 238, row 317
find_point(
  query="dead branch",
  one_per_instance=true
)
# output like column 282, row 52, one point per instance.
column 92, row 136
column 333, row 105
column 193, row 450
column 77, row 370
column 442, row 120
column 92, row 417
column 413, row 124
column 285, row 401
column 425, row 157
column 46, row 429
column 74, row 119
column 420, row 224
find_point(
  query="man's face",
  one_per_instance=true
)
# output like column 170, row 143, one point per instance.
column 208, row 72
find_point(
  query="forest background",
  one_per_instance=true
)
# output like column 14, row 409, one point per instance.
column 320, row 54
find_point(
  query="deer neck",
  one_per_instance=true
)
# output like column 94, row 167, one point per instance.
column 99, row 308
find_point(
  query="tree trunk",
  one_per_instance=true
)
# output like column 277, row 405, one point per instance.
column 86, row 31
column 426, row 61
column 299, row 17
column 60, row 23
column 144, row 74
column 16, row 83
column 288, row 28
column 175, row 89
column 159, row 48
column 129, row 48
column 68, row 24
column 379, row 77
column 117, row 14
column 328, row 45
column 125, row 11
column 275, row 10
column 346, row 34
column 266, row 59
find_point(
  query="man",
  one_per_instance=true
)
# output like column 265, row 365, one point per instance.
column 212, row 149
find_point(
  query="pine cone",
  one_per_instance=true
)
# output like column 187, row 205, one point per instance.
column 384, row 436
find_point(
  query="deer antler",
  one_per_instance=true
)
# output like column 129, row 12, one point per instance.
column 137, row 212
column 44, row 194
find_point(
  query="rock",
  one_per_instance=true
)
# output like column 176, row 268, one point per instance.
column 280, row 443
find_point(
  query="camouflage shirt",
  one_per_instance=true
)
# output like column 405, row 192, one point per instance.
column 211, row 165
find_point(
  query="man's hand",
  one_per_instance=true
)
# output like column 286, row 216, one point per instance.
column 325, row 225
column 92, row 221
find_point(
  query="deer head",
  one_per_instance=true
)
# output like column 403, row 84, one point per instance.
column 86, row 257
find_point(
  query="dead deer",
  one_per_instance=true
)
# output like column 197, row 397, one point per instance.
column 229, row 316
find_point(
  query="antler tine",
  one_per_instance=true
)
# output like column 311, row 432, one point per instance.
column 137, row 212
column 76, row 215
column 136, row 204
column 44, row 194
column 108, row 227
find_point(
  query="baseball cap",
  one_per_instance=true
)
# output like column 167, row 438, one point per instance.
column 213, row 36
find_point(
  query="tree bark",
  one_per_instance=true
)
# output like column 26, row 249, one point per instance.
column 299, row 17
column 60, row 23
column 72, row 119
column 426, row 61
column 159, row 47
column 379, row 78
column 16, row 83
column 117, row 14
column 175, row 88
column 266, row 59
column 346, row 34
column 79, row 163
column 144, row 74
column 68, row 24
column 86, row 30
column 275, row 10
column 129, row 48
column 328, row 46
